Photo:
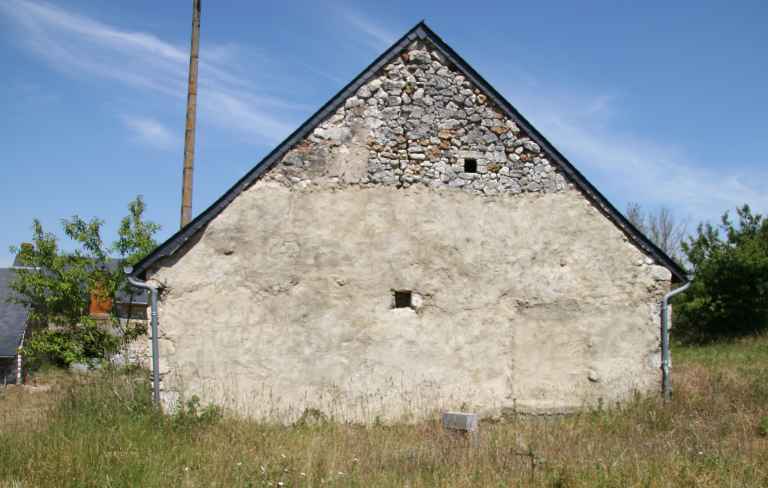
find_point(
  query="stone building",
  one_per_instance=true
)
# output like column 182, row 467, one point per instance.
column 416, row 245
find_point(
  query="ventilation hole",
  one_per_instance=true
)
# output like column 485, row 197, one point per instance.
column 403, row 299
column 470, row 165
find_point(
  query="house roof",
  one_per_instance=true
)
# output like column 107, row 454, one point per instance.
column 13, row 317
column 420, row 31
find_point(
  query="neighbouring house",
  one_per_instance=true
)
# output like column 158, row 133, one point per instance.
column 13, row 326
column 416, row 245
column 130, row 307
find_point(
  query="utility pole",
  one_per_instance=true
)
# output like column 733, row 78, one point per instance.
column 189, row 133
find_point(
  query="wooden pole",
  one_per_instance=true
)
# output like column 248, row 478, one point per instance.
column 189, row 133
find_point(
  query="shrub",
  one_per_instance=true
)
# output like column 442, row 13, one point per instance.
column 57, row 286
column 729, row 293
column 191, row 415
column 762, row 427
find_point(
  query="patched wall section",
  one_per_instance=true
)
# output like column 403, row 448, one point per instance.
column 419, row 122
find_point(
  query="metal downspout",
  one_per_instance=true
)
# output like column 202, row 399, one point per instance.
column 666, row 384
column 154, row 330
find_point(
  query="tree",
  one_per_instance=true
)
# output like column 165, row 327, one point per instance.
column 57, row 286
column 662, row 228
column 729, row 293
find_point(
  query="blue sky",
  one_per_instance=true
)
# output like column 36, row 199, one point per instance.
column 663, row 103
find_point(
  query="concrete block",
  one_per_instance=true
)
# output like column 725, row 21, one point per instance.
column 466, row 422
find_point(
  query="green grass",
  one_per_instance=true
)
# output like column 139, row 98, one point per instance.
column 102, row 431
column 751, row 351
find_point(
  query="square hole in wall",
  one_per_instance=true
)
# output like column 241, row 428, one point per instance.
column 470, row 165
column 403, row 299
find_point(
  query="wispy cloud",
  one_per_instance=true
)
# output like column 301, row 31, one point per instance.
column 78, row 45
column 631, row 167
column 376, row 36
column 151, row 132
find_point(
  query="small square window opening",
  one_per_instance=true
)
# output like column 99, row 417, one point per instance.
column 403, row 299
column 470, row 165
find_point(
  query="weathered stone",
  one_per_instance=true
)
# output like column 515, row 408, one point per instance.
column 293, row 159
column 532, row 146
column 353, row 102
column 533, row 186
column 420, row 57
column 364, row 92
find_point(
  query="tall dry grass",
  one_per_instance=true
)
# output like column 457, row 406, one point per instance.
column 103, row 431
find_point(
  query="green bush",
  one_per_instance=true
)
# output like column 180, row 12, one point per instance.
column 191, row 415
column 729, row 293
column 64, row 347
column 57, row 286
column 762, row 428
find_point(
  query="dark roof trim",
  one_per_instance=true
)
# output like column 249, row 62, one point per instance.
column 420, row 31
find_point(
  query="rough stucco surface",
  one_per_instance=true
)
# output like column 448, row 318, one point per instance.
column 535, row 303
column 526, row 296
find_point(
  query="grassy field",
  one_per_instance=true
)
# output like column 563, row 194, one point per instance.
column 101, row 431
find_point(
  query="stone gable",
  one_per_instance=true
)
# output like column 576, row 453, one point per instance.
column 417, row 122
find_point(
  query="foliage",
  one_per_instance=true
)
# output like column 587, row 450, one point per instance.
column 79, row 344
column 57, row 285
column 102, row 430
column 729, row 293
column 762, row 427
column 135, row 235
column 191, row 414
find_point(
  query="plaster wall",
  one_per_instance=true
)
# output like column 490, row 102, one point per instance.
column 534, row 302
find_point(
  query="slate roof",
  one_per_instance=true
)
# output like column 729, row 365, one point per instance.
column 420, row 31
column 13, row 317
